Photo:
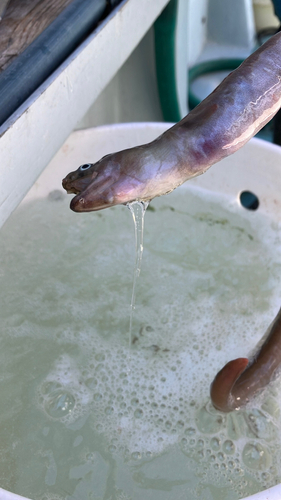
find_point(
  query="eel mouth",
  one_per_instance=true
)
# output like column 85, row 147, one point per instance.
column 72, row 190
column 69, row 189
column 75, row 186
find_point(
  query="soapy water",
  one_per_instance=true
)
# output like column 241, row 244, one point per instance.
column 83, row 415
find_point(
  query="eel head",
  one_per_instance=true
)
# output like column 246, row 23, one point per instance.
column 119, row 178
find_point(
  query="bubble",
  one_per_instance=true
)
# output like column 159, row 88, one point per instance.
column 90, row 457
column 228, row 447
column 99, row 368
column 138, row 413
column 190, row 431
column 238, row 471
column 109, row 410
column 100, row 357
column 265, row 476
column 97, row 396
column 180, row 424
column 49, row 387
column 215, row 444
column 255, row 456
column 59, row 404
column 258, row 425
column 91, row 382
column 208, row 422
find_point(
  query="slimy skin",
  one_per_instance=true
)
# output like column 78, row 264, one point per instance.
column 239, row 380
column 237, row 109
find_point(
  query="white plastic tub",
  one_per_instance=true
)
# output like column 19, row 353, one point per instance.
column 255, row 168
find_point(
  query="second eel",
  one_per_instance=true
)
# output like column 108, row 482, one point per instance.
column 240, row 379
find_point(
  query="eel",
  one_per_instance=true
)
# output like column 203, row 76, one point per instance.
column 239, row 380
column 220, row 125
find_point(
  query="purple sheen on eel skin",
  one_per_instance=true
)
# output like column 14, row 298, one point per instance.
column 220, row 125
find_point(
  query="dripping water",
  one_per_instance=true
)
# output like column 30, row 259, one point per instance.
column 137, row 209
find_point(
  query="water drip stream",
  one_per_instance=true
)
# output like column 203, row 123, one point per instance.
column 137, row 209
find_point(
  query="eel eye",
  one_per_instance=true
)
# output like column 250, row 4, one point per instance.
column 85, row 166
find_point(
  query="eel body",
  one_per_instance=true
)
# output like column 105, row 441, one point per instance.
column 240, row 379
column 221, row 124
column 237, row 109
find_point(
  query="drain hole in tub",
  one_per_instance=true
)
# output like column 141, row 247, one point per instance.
column 249, row 200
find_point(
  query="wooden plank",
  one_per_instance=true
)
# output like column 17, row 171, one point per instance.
column 23, row 21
